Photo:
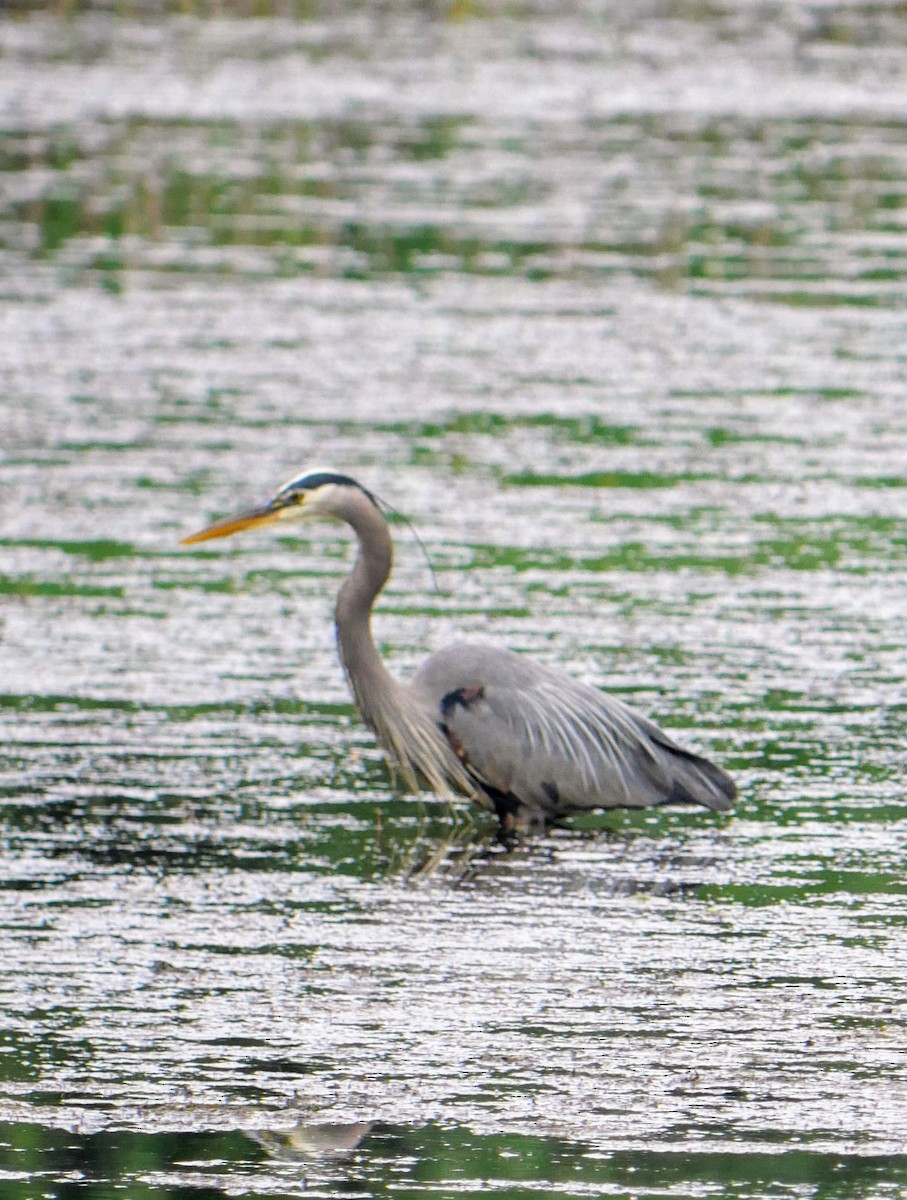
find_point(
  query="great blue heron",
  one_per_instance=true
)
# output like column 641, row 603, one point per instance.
column 525, row 740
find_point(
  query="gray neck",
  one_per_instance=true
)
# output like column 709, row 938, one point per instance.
column 405, row 727
column 369, row 678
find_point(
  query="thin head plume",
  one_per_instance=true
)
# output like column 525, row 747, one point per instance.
column 388, row 509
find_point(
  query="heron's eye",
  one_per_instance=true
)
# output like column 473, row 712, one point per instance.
column 289, row 498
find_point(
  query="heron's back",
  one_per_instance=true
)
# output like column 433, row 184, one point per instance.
column 556, row 745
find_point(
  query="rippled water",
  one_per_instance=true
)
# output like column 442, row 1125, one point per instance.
column 609, row 303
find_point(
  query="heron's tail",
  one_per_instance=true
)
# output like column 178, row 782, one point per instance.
column 697, row 780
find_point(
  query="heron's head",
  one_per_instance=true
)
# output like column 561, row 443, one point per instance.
column 314, row 494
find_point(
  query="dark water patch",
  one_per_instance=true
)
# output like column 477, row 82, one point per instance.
column 889, row 481
column 603, row 479
column 95, row 551
column 27, row 586
column 401, row 1160
column 489, row 424
column 845, row 545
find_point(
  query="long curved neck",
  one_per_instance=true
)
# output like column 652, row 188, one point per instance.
column 405, row 728
column 369, row 679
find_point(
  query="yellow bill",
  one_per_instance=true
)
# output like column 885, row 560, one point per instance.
column 263, row 515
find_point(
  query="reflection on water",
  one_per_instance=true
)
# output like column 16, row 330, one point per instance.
column 610, row 304
column 391, row 1160
column 308, row 1141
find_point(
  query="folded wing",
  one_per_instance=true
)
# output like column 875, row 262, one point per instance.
column 555, row 745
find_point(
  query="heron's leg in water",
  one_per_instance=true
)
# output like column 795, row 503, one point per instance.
column 513, row 816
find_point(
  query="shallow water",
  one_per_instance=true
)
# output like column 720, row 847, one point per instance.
column 607, row 303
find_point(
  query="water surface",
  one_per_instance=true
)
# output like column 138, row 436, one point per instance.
column 609, row 304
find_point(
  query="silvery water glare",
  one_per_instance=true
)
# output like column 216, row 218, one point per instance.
column 608, row 299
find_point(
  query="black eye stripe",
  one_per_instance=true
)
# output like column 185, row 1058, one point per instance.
column 317, row 479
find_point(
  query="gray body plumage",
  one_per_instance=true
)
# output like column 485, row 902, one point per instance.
column 550, row 745
column 525, row 740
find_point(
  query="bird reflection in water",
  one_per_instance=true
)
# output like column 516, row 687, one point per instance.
column 304, row 1142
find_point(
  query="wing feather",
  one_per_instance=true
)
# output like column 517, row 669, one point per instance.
column 554, row 744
